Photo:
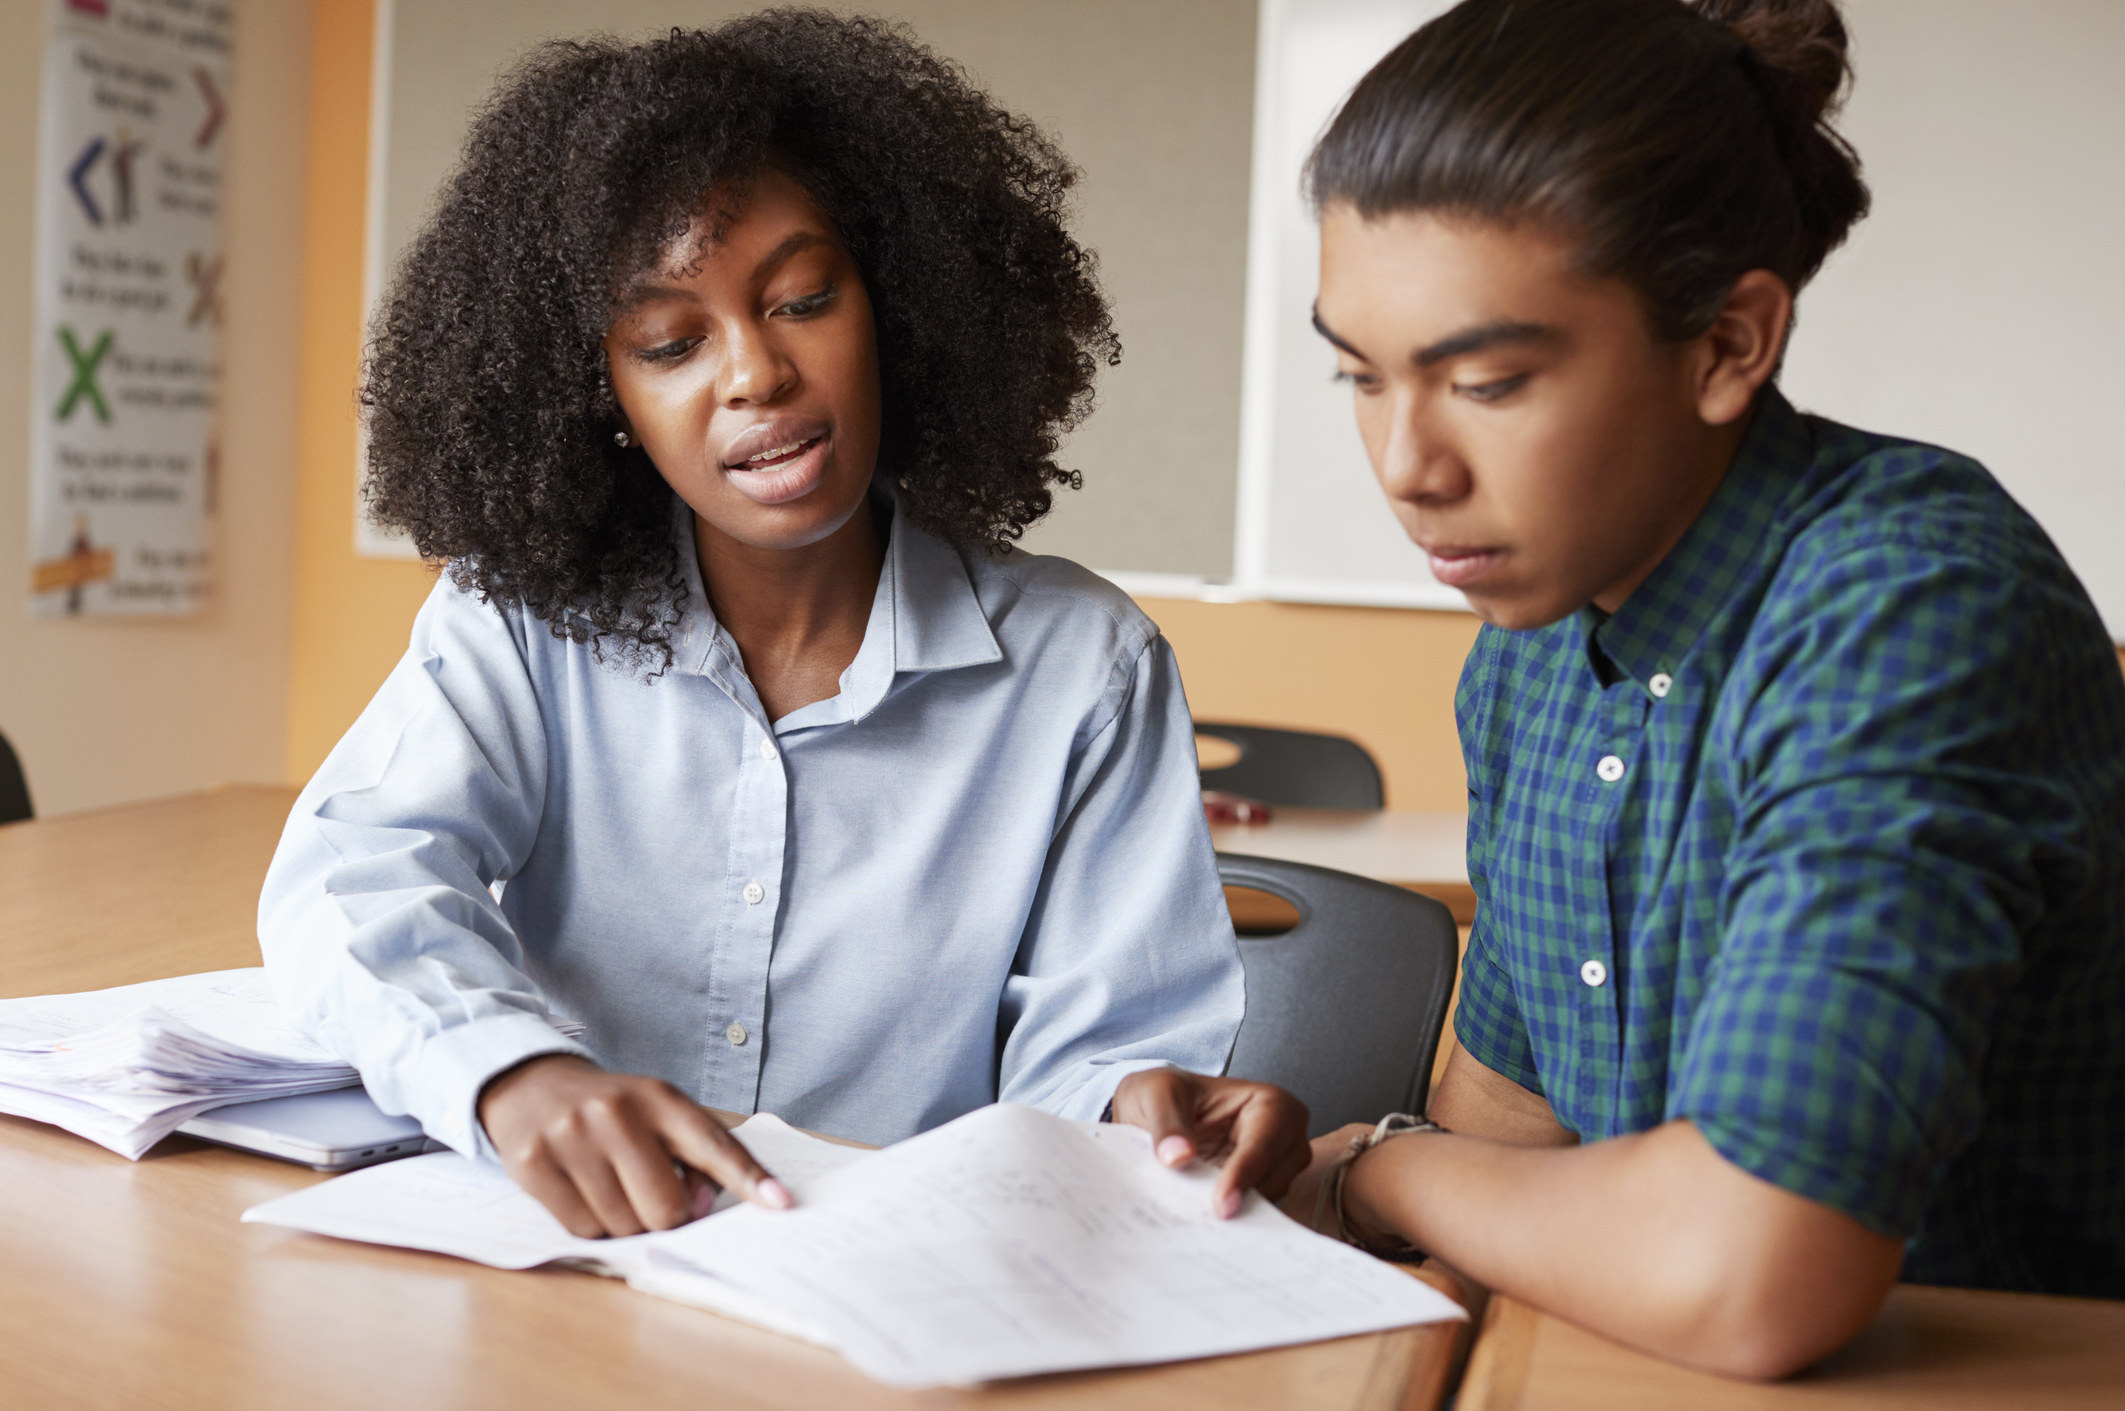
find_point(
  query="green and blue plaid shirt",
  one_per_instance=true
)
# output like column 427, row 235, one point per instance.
column 1819, row 843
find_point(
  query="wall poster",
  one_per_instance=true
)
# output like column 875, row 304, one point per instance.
column 123, row 441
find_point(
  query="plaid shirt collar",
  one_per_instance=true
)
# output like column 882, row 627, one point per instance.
column 1737, row 533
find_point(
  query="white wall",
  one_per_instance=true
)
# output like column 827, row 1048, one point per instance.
column 1977, row 308
column 109, row 710
column 1980, row 306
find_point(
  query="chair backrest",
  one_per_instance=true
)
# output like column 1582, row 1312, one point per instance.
column 1344, row 1009
column 1294, row 768
column 14, row 788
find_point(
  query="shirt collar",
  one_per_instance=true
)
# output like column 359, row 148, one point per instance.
column 925, row 616
column 1661, row 621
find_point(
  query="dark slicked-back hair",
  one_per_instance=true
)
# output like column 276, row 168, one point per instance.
column 490, row 409
column 1681, row 145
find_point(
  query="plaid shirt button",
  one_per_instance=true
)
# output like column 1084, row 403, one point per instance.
column 1869, row 898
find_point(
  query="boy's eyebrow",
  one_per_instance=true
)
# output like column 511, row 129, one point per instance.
column 1486, row 335
column 647, row 292
column 1468, row 340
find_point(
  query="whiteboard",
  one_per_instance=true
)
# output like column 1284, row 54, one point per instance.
column 1310, row 524
column 1976, row 308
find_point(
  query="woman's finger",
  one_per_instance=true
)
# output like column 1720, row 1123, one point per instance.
column 589, row 1167
column 1162, row 1101
column 1268, row 1134
column 701, row 1142
column 552, row 1188
column 642, row 1164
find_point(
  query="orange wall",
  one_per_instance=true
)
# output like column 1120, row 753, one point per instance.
column 351, row 614
column 1384, row 676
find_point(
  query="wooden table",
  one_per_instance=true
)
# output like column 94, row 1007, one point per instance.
column 1425, row 852
column 129, row 1284
column 1931, row 1349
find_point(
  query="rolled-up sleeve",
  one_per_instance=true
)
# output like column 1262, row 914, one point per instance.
column 380, row 931
column 1900, row 831
column 1128, row 959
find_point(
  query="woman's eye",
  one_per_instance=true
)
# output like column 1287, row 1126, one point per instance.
column 808, row 305
column 1363, row 381
column 666, row 352
column 1491, row 391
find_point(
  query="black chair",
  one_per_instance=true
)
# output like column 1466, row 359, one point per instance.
column 1294, row 768
column 14, row 788
column 1345, row 1009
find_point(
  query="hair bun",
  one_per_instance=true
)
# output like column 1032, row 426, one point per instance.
column 1801, row 44
column 1797, row 49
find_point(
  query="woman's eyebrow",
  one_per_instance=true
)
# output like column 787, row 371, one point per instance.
column 791, row 244
column 636, row 295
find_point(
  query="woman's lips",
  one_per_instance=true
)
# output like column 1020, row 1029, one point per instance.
column 1457, row 567
column 782, row 474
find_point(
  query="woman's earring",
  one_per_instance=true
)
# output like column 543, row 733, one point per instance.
column 622, row 439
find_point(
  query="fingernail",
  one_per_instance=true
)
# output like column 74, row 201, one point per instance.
column 704, row 1199
column 774, row 1194
column 1228, row 1205
column 1175, row 1151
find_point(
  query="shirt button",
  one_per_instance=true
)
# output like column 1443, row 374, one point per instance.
column 767, row 746
column 736, row 1034
column 754, row 893
column 1610, row 769
column 1661, row 684
column 1593, row 972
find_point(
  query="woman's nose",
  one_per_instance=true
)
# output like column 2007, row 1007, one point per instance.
column 755, row 369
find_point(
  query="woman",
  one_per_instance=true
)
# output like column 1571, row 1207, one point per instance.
column 722, row 378
column 1796, row 754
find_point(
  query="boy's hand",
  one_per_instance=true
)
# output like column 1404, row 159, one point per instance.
column 605, row 1151
column 1259, row 1129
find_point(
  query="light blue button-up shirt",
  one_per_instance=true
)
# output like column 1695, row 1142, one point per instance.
column 979, row 872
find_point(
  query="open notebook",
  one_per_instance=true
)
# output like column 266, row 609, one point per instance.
column 1003, row 1244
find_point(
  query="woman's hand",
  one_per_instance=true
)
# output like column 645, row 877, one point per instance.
column 614, row 1153
column 1259, row 1129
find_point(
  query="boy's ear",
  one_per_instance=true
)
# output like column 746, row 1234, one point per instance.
column 1738, row 353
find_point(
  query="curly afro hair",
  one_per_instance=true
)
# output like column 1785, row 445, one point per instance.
column 489, row 406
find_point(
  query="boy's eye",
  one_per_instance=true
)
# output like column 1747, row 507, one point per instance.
column 1491, row 391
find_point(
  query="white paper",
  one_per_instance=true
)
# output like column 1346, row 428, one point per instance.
column 450, row 1205
column 125, row 1067
column 1010, row 1243
column 1004, row 1244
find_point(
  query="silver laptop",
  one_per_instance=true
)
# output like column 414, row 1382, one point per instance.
column 334, row 1131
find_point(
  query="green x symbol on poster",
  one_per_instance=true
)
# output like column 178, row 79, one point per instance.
column 84, row 383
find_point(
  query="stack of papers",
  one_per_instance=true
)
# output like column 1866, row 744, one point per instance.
column 1005, row 1244
column 127, row 1067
